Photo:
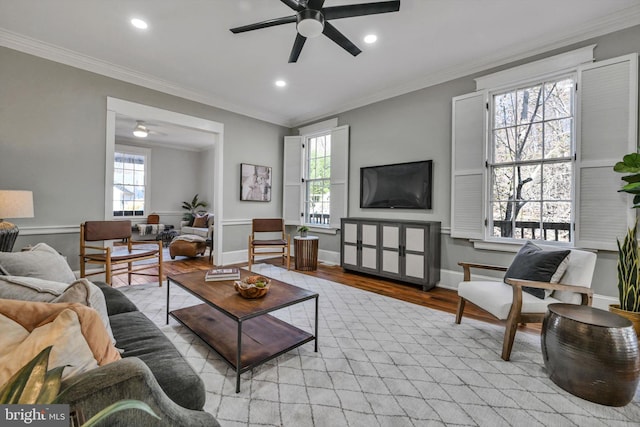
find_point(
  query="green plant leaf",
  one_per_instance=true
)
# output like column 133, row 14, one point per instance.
column 630, row 164
column 632, row 178
column 25, row 385
column 633, row 188
column 116, row 407
column 51, row 386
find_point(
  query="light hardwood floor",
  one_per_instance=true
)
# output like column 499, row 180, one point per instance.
column 436, row 298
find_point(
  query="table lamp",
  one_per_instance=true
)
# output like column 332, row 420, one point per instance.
column 13, row 204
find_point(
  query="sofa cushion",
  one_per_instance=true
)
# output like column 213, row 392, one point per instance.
column 139, row 337
column 200, row 221
column 116, row 301
column 42, row 261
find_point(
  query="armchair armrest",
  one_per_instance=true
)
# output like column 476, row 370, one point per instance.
column 467, row 266
column 129, row 378
column 585, row 293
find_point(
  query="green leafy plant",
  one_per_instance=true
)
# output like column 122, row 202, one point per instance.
column 630, row 164
column 192, row 207
column 629, row 271
column 628, row 253
column 303, row 229
column 35, row 384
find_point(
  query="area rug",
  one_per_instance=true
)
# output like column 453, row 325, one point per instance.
column 382, row 362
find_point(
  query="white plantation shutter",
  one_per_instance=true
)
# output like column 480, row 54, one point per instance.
column 339, row 174
column 608, row 112
column 468, row 165
column 292, row 180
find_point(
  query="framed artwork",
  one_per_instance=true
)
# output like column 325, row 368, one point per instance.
column 255, row 183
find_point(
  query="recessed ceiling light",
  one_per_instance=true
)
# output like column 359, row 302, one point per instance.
column 139, row 23
column 371, row 38
column 281, row 83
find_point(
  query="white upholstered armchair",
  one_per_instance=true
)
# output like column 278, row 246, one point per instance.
column 507, row 301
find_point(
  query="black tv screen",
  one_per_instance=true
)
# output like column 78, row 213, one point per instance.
column 401, row 185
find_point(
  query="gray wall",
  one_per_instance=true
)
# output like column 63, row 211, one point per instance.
column 417, row 126
column 52, row 141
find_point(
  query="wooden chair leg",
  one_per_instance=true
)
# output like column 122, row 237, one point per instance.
column 509, row 336
column 461, row 303
column 250, row 253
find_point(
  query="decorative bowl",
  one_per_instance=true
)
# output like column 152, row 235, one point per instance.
column 253, row 286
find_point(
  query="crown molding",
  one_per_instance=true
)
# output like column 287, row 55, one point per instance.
column 608, row 24
column 61, row 55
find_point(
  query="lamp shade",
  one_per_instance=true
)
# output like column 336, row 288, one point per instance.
column 16, row 204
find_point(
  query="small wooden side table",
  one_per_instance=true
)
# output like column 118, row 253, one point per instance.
column 306, row 252
column 591, row 353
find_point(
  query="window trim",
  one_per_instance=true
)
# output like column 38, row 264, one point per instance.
column 305, row 176
column 141, row 151
column 489, row 149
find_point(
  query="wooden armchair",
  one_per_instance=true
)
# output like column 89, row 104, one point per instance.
column 277, row 240
column 507, row 301
column 93, row 231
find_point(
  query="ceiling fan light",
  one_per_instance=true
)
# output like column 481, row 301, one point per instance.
column 310, row 23
column 140, row 131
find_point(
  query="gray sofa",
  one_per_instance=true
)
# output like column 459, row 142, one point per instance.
column 151, row 370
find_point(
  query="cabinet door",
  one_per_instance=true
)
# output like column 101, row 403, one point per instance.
column 369, row 251
column 350, row 244
column 390, row 253
column 414, row 252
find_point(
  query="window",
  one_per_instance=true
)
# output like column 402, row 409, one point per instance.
column 531, row 161
column 317, row 195
column 130, row 181
column 316, row 175
column 534, row 161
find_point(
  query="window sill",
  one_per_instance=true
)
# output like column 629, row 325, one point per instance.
column 323, row 230
column 510, row 246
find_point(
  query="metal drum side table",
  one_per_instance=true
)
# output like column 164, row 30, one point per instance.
column 591, row 353
column 306, row 252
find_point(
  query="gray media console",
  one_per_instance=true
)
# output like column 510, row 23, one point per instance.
column 408, row 251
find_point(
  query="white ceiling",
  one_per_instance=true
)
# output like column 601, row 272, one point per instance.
column 189, row 51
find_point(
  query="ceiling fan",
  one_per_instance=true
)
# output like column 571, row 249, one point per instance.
column 311, row 21
column 141, row 130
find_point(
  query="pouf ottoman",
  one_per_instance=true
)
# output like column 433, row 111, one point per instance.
column 187, row 245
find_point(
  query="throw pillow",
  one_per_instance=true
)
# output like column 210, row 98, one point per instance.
column 200, row 221
column 76, row 333
column 534, row 263
column 41, row 261
column 33, row 289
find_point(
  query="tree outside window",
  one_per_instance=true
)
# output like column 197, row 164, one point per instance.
column 531, row 162
column 318, row 179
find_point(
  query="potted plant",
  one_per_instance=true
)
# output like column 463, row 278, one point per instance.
column 303, row 229
column 628, row 253
column 192, row 208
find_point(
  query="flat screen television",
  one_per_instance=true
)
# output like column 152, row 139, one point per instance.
column 400, row 185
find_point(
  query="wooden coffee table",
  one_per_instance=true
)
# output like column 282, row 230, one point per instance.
column 239, row 329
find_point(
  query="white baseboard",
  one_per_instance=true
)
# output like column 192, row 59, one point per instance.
column 449, row 280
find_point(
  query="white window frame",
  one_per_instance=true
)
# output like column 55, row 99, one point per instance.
column 606, row 128
column 490, row 147
column 294, row 191
column 306, row 153
column 146, row 153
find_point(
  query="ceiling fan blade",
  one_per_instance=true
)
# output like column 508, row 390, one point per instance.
column 293, row 4
column 264, row 24
column 337, row 12
column 335, row 35
column 315, row 4
column 297, row 48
